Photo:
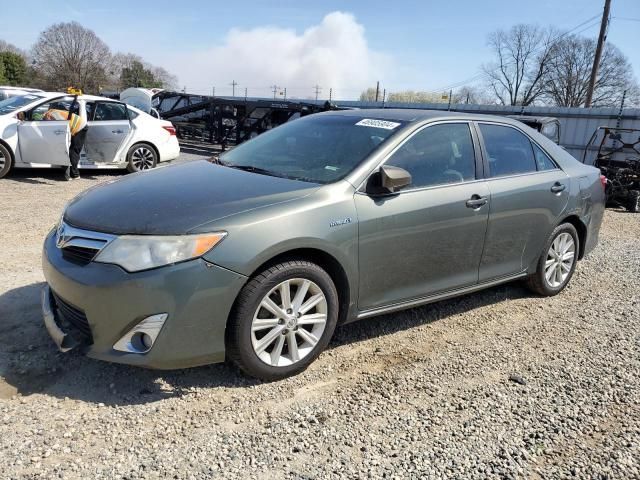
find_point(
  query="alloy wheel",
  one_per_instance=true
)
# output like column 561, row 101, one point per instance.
column 289, row 322
column 560, row 258
column 142, row 158
column 3, row 161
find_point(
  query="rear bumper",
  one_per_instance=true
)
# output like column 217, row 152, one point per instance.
column 196, row 295
column 170, row 150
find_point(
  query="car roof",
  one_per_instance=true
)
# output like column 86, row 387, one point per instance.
column 415, row 115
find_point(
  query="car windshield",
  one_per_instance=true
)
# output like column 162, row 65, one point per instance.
column 11, row 104
column 317, row 148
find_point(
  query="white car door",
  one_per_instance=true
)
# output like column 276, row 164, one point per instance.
column 109, row 127
column 45, row 141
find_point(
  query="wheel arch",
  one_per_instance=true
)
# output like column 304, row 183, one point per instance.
column 324, row 260
column 581, row 228
column 10, row 150
column 144, row 142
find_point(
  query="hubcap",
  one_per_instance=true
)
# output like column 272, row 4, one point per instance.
column 560, row 260
column 3, row 161
column 142, row 158
column 289, row 322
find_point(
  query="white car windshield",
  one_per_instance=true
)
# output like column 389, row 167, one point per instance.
column 12, row 104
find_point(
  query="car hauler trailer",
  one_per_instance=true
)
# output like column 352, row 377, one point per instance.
column 227, row 121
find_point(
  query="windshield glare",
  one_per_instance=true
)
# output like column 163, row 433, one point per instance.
column 317, row 148
column 11, row 104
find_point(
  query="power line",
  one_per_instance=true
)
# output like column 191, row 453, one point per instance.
column 483, row 74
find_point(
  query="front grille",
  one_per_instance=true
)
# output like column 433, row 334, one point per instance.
column 80, row 246
column 80, row 255
column 74, row 317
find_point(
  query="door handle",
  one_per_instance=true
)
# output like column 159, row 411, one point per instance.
column 117, row 132
column 476, row 201
column 59, row 132
column 558, row 187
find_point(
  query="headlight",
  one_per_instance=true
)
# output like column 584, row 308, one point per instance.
column 142, row 252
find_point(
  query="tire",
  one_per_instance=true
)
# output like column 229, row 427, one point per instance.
column 6, row 161
column 141, row 156
column 253, row 336
column 539, row 282
column 632, row 203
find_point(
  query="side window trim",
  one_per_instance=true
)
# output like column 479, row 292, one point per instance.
column 477, row 157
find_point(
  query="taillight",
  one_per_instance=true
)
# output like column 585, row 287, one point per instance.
column 171, row 129
column 603, row 181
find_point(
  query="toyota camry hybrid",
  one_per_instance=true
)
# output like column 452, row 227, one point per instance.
column 256, row 256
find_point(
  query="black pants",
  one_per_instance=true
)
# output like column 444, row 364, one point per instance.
column 77, row 142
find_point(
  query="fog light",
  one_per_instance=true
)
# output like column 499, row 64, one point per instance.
column 140, row 339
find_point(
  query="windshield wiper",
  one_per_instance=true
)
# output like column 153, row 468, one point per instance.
column 252, row 169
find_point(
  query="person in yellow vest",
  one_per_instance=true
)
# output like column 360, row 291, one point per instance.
column 78, row 128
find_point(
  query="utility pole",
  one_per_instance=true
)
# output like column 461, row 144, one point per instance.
column 330, row 94
column 384, row 96
column 285, row 94
column 596, row 60
column 318, row 89
column 233, row 86
column 213, row 91
column 245, row 93
column 377, row 90
column 274, row 89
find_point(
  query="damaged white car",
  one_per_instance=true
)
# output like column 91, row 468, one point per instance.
column 118, row 136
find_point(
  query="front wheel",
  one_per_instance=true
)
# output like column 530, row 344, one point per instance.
column 141, row 157
column 557, row 262
column 5, row 161
column 283, row 319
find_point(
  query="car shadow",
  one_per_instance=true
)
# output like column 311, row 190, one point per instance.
column 45, row 176
column 31, row 364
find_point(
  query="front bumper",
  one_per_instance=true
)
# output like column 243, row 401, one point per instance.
column 196, row 295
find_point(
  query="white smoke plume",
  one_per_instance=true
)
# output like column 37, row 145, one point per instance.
column 333, row 54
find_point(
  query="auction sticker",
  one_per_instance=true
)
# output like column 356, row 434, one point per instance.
column 370, row 122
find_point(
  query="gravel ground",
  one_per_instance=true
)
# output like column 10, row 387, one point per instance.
column 498, row 384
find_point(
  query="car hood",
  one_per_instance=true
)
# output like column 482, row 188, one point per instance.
column 174, row 200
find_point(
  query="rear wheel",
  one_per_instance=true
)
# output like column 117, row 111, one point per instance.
column 557, row 262
column 633, row 201
column 141, row 156
column 5, row 161
column 283, row 319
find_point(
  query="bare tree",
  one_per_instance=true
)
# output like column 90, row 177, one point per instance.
column 567, row 78
column 474, row 95
column 67, row 54
column 121, row 62
column 411, row 96
column 369, row 95
column 10, row 47
column 522, row 59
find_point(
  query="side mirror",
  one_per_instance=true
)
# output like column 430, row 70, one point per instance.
column 388, row 179
column 21, row 116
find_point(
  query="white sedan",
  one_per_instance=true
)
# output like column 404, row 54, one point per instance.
column 119, row 135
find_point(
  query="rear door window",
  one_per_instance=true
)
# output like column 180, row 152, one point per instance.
column 509, row 150
column 109, row 111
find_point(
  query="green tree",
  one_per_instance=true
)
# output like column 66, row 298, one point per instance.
column 136, row 75
column 3, row 80
column 14, row 68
